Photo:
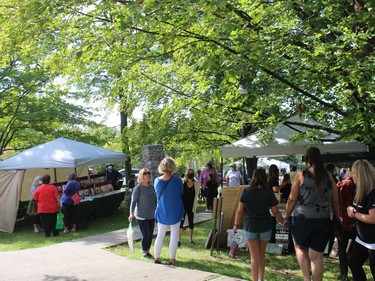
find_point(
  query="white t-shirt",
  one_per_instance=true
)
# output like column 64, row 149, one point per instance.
column 234, row 178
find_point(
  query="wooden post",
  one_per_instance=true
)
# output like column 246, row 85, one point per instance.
column 214, row 230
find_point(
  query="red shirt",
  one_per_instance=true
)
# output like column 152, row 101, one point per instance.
column 346, row 189
column 46, row 195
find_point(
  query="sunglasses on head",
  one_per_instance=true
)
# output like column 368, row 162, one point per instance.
column 147, row 173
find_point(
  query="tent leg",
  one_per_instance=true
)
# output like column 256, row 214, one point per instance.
column 54, row 173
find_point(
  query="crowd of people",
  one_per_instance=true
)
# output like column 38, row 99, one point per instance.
column 313, row 196
column 46, row 201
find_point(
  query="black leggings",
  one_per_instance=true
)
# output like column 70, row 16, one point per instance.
column 69, row 212
column 210, row 199
column 342, row 245
column 190, row 216
column 357, row 257
column 49, row 223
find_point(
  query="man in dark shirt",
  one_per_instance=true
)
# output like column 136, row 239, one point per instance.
column 113, row 176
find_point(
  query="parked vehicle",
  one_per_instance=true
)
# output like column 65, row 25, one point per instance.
column 124, row 180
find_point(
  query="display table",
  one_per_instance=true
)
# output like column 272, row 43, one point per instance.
column 96, row 206
column 108, row 203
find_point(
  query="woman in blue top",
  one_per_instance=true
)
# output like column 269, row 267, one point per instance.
column 169, row 209
column 68, row 207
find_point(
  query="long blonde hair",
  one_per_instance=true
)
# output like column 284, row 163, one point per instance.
column 365, row 179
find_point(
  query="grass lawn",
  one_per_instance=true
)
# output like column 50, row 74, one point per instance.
column 24, row 238
column 278, row 267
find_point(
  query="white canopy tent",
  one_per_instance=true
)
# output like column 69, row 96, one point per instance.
column 267, row 162
column 59, row 156
column 263, row 162
column 282, row 145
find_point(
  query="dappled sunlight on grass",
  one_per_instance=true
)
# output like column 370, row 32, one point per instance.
column 23, row 236
column 195, row 256
column 192, row 256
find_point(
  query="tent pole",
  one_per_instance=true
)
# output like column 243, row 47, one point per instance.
column 88, row 175
column 54, row 172
column 222, row 172
column 243, row 171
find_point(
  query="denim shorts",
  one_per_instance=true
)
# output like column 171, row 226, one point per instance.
column 311, row 233
column 258, row 235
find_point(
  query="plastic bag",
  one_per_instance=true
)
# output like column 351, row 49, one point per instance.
column 59, row 221
column 234, row 246
column 130, row 234
column 233, row 250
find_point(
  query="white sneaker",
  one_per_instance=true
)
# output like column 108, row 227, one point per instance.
column 36, row 230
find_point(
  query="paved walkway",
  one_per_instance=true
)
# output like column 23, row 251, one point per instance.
column 87, row 260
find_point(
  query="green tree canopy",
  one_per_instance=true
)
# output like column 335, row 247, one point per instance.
column 33, row 107
column 183, row 61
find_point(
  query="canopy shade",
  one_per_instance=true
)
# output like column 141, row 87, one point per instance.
column 282, row 145
column 61, row 153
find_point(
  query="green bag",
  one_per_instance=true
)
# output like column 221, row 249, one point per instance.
column 32, row 208
column 59, row 221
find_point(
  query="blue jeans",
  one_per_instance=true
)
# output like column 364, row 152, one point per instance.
column 147, row 230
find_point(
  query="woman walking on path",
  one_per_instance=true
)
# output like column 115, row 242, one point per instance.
column 190, row 200
column 363, row 211
column 310, row 215
column 169, row 208
column 142, row 208
column 212, row 186
column 255, row 204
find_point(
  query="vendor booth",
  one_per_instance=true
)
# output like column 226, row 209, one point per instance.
column 56, row 158
column 281, row 144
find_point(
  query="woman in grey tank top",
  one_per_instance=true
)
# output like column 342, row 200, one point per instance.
column 309, row 215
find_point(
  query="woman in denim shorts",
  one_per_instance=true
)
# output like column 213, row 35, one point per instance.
column 255, row 204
